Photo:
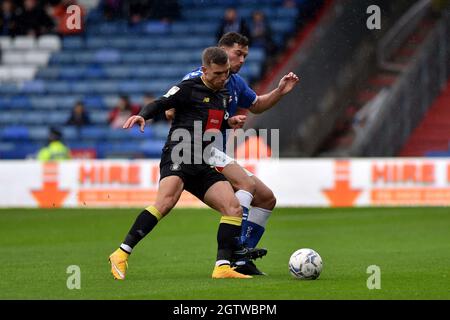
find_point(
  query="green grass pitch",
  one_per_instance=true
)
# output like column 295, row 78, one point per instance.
column 410, row 245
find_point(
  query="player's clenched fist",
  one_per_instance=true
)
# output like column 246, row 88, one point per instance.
column 237, row 122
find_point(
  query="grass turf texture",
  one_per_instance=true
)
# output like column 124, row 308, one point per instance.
column 410, row 245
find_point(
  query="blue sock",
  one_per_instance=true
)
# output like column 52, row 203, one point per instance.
column 251, row 233
column 254, row 225
column 244, row 225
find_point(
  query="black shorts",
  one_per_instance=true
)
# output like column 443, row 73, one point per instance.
column 197, row 178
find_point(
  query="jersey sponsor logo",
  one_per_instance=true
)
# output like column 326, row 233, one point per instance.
column 215, row 118
column 172, row 91
column 206, row 99
column 175, row 167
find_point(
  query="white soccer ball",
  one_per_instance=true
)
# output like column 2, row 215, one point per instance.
column 305, row 264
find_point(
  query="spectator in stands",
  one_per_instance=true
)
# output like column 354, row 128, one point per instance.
column 8, row 18
column 55, row 149
column 232, row 23
column 33, row 20
column 112, row 9
column 165, row 11
column 64, row 20
column 79, row 116
column 122, row 112
column 307, row 10
column 261, row 33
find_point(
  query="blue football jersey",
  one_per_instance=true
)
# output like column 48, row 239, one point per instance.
column 242, row 95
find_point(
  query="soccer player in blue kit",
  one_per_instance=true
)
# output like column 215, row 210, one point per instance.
column 256, row 199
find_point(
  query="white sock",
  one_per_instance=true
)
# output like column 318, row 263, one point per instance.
column 221, row 262
column 259, row 216
column 126, row 248
column 245, row 198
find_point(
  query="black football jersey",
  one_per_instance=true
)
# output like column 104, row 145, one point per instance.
column 199, row 109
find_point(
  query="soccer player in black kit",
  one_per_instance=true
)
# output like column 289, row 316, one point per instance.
column 201, row 101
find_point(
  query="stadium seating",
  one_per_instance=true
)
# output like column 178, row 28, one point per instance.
column 42, row 79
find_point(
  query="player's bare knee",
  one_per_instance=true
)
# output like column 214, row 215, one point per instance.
column 231, row 208
column 271, row 202
column 265, row 200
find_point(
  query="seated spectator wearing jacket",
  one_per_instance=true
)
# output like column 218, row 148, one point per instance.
column 122, row 112
column 33, row 20
column 79, row 116
column 8, row 18
column 231, row 22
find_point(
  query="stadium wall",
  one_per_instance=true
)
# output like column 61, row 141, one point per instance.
column 295, row 182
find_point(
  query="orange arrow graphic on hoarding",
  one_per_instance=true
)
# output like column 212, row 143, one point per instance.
column 342, row 195
column 50, row 196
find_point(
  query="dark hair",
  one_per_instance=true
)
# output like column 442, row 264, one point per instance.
column 230, row 38
column 54, row 134
column 214, row 55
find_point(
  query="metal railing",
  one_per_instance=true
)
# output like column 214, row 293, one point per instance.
column 401, row 109
column 398, row 34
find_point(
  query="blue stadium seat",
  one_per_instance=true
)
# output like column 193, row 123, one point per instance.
column 152, row 148
column 44, row 102
column 94, row 72
column 62, row 58
column 73, row 42
column 94, row 101
column 48, row 73
column 99, row 116
column 82, row 87
column 121, row 71
column 20, row 150
column 34, row 86
column 4, row 103
column 135, row 57
column 20, row 102
column 107, row 56
column 38, row 133
column 156, row 27
column 35, row 118
column 94, row 132
column 70, row 133
column 71, row 73
column 15, row 132
column 160, row 130
column 119, row 150
column 57, row 118
column 105, row 87
column 132, row 87
column 66, row 101
column 56, row 87
column 282, row 26
column 438, row 154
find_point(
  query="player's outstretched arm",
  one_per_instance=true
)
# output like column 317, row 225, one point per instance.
column 268, row 100
column 131, row 121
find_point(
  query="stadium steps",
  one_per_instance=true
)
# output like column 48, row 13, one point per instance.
column 342, row 137
column 433, row 133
